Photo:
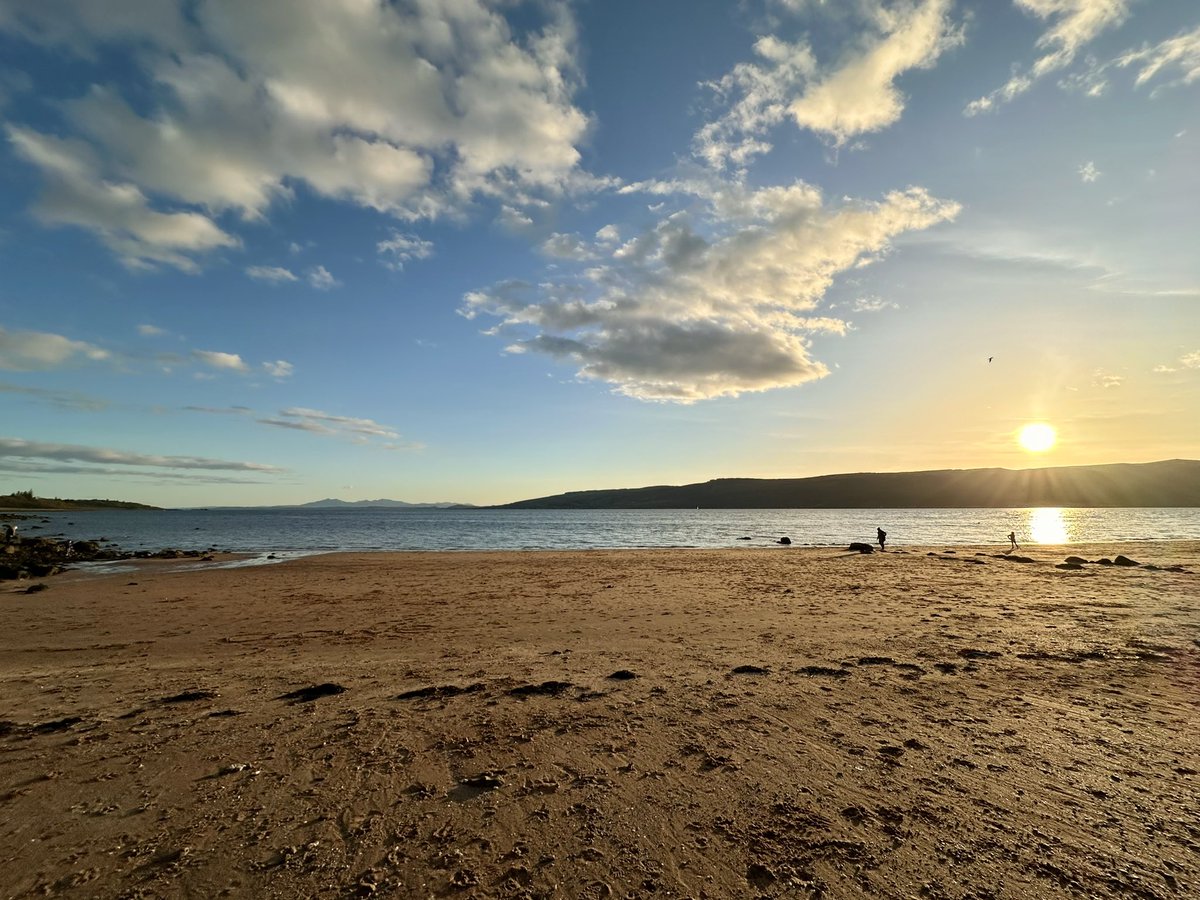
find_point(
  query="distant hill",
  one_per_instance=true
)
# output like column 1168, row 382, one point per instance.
column 1171, row 483
column 26, row 500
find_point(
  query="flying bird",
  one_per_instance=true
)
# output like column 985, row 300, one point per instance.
column 990, row 358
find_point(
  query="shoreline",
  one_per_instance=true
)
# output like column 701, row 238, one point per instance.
column 1165, row 552
column 715, row 723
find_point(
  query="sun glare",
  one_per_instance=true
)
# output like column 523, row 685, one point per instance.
column 1037, row 437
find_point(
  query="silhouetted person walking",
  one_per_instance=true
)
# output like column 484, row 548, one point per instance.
column 881, row 536
column 1012, row 537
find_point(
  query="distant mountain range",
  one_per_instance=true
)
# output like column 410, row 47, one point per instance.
column 331, row 503
column 1171, row 483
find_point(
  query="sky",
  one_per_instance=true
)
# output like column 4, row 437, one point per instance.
column 486, row 250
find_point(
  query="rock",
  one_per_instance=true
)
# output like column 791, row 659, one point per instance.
column 1125, row 561
column 784, row 540
column 308, row 694
column 860, row 547
column 1075, row 559
column 1069, row 565
column 546, row 688
column 1105, row 561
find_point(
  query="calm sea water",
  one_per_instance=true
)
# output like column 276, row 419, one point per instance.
column 309, row 530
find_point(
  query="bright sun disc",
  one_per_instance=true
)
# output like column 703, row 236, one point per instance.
column 1037, row 438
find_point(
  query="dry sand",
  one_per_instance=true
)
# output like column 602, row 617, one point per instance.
column 774, row 723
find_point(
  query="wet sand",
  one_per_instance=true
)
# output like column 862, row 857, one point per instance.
column 744, row 723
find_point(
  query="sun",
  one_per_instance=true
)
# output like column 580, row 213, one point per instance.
column 1037, row 437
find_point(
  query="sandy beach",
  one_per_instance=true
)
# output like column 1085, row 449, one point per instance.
column 706, row 724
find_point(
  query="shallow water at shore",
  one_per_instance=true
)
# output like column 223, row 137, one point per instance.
column 268, row 530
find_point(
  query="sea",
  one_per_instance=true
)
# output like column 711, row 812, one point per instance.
column 295, row 531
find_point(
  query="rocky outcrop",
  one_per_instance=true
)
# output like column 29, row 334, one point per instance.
column 39, row 557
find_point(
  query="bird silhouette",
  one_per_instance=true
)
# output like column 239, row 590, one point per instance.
column 990, row 358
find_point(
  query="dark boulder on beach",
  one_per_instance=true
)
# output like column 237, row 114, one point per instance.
column 38, row 557
column 1125, row 561
column 784, row 540
column 859, row 547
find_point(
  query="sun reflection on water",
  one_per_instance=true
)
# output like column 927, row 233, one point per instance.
column 1048, row 525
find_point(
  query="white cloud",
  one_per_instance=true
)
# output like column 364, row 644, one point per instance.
column 316, row 421
column 1088, row 172
column 1075, row 23
column 856, row 97
column 271, row 274
column 400, row 248
column 872, row 303
column 118, row 211
column 34, row 351
column 566, row 246
column 229, row 362
column 279, row 369
column 861, row 96
column 609, row 234
column 414, row 110
column 146, row 330
column 320, row 278
column 1106, row 380
column 707, row 305
column 514, row 219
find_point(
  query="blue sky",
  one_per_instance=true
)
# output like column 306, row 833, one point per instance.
column 482, row 251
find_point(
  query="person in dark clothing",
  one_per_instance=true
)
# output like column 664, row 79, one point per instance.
column 881, row 536
column 1012, row 537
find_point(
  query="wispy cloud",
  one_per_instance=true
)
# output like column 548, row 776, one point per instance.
column 146, row 330
column 17, row 448
column 354, row 428
column 1073, row 25
column 1088, row 172
column 221, row 410
column 62, row 399
column 1106, row 380
column 1184, row 362
column 342, row 423
column 271, row 274
column 1180, row 54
